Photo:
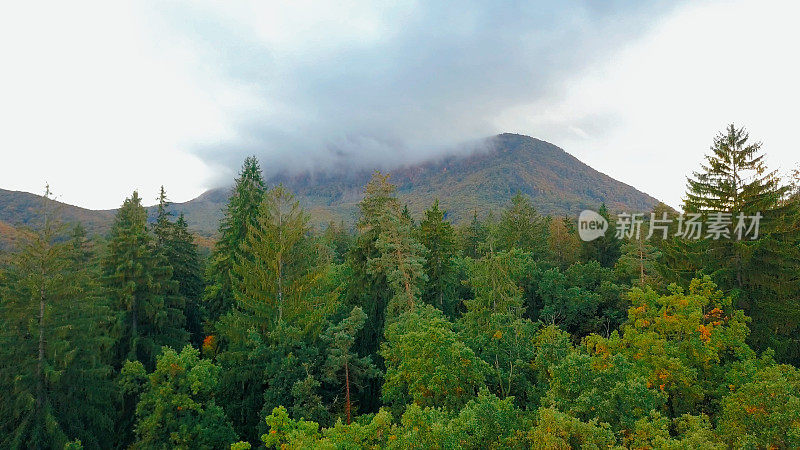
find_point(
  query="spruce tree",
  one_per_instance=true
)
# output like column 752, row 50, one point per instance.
column 368, row 288
column 278, row 279
column 761, row 272
column 138, row 281
column 473, row 237
column 607, row 248
column 638, row 264
column 563, row 242
column 56, row 386
column 522, row 227
column 437, row 236
column 176, row 244
column 278, row 307
column 240, row 213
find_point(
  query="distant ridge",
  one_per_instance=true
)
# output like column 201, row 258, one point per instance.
column 483, row 180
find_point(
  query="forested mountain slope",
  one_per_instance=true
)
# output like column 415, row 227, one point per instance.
column 482, row 180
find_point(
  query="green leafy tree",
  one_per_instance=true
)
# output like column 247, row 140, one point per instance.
column 583, row 299
column 607, row 389
column 764, row 410
column 139, row 282
column 683, row 342
column 488, row 422
column 56, row 385
column 427, row 364
column 506, row 345
column 555, row 429
column 240, row 214
column 177, row 408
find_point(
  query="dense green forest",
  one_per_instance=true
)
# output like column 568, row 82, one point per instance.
column 506, row 331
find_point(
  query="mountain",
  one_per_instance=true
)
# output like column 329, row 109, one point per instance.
column 9, row 235
column 22, row 209
column 482, row 180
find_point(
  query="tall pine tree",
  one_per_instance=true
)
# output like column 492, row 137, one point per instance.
column 762, row 272
column 278, row 307
column 240, row 214
column 399, row 257
column 56, row 386
column 437, row 236
column 138, row 281
column 176, row 243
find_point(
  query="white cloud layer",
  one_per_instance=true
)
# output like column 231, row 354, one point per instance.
column 100, row 98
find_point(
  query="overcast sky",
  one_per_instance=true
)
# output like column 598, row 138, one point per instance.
column 101, row 98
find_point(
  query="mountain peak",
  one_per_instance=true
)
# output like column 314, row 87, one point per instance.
column 480, row 178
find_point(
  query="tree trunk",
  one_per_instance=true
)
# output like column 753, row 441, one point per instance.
column 40, row 364
column 280, row 266
column 134, row 332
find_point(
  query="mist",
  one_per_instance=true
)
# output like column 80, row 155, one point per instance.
column 309, row 87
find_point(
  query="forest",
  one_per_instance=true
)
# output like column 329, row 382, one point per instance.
column 503, row 331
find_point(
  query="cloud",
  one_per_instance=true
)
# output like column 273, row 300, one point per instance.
column 310, row 85
column 648, row 115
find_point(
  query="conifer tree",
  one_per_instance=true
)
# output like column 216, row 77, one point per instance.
column 563, row 242
column 139, row 282
column 342, row 366
column 437, row 236
column 522, row 227
column 176, row 244
column 472, row 237
column 400, row 259
column 187, row 270
column 339, row 239
column 369, row 288
column 638, row 264
column 279, row 305
column 240, row 213
column 56, row 386
column 762, row 272
column 278, row 279
column 607, row 248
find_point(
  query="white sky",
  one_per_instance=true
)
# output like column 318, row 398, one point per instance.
column 98, row 99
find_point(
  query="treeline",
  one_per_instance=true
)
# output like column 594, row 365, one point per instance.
column 404, row 332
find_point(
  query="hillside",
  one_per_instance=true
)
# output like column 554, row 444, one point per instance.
column 9, row 236
column 557, row 182
column 482, row 181
column 22, row 209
